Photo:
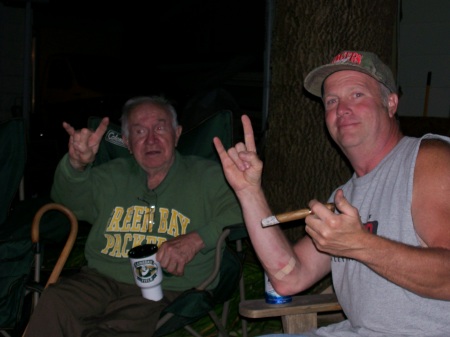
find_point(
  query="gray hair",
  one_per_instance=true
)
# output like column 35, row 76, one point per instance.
column 134, row 102
column 384, row 95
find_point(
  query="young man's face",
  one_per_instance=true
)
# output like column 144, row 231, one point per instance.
column 152, row 138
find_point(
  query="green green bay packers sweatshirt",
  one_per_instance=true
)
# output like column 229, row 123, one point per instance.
column 124, row 212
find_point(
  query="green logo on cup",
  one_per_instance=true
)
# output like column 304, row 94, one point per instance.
column 146, row 270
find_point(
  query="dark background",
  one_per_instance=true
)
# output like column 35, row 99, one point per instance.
column 91, row 56
column 174, row 47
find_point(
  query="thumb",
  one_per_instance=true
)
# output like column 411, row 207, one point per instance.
column 343, row 205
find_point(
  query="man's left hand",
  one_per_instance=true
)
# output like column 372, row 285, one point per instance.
column 336, row 234
column 174, row 254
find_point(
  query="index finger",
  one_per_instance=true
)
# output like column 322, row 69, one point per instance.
column 219, row 148
column 248, row 133
column 101, row 129
column 160, row 253
column 321, row 210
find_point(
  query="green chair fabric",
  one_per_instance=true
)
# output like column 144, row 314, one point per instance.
column 112, row 145
column 198, row 140
column 16, row 253
column 194, row 304
column 13, row 158
column 16, row 256
column 16, row 259
column 16, row 215
column 54, row 225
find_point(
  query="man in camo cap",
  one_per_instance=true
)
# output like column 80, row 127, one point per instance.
column 388, row 243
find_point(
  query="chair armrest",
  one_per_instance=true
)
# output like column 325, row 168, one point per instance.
column 237, row 232
column 232, row 233
column 217, row 261
column 300, row 315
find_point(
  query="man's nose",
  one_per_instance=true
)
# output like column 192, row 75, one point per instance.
column 342, row 108
column 151, row 137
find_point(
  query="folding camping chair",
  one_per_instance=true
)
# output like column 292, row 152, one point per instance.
column 15, row 257
column 17, row 254
column 16, row 216
column 13, row 158
column 298, row 316
column 199, row 302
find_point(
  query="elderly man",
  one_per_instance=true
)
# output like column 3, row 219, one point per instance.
column 154, row 196
column 388, row 243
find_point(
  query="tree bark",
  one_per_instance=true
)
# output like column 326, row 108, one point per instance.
column 301, row 160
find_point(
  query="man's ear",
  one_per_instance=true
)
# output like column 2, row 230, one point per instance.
column 392, row 104
column 125, row 141
column 178, row 131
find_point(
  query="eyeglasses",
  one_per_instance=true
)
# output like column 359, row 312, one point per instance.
column 149, row 215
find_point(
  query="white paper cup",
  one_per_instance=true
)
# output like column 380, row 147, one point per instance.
column 147, row 271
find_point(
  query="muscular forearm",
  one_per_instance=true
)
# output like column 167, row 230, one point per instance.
column 270, row 243
column 277, row 255
column 424, row 271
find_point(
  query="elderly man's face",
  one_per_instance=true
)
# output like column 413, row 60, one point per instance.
column 152, row 138
column 354, row 110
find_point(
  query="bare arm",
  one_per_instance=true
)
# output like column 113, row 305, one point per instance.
column 431, row 216
column 302, row 263
column 422, row 270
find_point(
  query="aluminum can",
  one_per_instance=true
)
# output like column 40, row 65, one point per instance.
column 272, row 297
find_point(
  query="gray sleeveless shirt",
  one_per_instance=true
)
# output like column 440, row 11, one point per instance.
column 375, row 306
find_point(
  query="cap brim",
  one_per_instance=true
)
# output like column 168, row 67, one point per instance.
column 314, row 80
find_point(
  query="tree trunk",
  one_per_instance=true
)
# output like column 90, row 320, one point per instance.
column 301, row 160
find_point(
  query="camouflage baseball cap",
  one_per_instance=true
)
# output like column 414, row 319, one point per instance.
column 364, row 62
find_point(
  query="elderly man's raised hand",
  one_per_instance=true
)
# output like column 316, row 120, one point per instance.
column 241, row 164
column 84, row 143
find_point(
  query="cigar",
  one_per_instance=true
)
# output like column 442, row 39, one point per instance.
column 290, row 216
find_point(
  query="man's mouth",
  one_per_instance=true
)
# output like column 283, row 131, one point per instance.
column 152, row 152
column 346, row 124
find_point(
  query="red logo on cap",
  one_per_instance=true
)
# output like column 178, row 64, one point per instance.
column 348, row 56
